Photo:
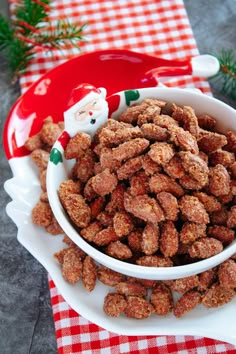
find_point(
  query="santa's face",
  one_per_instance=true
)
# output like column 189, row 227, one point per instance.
column 87, row 117
column 90, row 111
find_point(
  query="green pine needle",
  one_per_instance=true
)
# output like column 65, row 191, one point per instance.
column 227, row 74
column 31, row 13
column 63, row 33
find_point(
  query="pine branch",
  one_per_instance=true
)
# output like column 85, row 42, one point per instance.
column 59, row 37
column 227, row 73
column 30, row 29
column 31, row 12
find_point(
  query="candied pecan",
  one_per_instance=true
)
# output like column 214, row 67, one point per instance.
column 97, row 206
column 154, row 102
column 114, row 125
column 161, row 153
column 117, row 199
column 42, row 180
column 195, row 166
column 212, row 142
column 130, row 115
column 105, row 218
column 165, row 121
column 105, row 236
column 162, row 183
column 72, row 266
column 148, row 114
column 217, row 295
column 190, row 121
column 89, row 192
column 154, row 261
column 176, row 112
column 114, row 304
column 68, row 241
column 206, row 122
column 210, row 203
column 139, row 184
column 222, row 157
column 188, row 182
column 129, row 167
column 205, row 247
column 118, row 250
column 219, row 181
column 34, row 142
column 89, row 273
column 122, row 223
column 107, row 160
column 110, row 138
column 109, row 277
column 154, row 132
column 161, row 299
column 206, row 279
column 193, row 209
column 97, row 168
column 183, row 139
column 174, row 168
column 231, row 139
column 54, row 228
column 44, row 197
column 169, row 239
column 130, row 149
column 169, row 204
column 77, row 209
column 134, row 240
column 150, row 239
column 219, row 217
column 127, row 288
column 77, row 146
column 143, row 207
column 185, row 284
column 233, row 170
column 85, row 167
column 42, row 214
column 147, row 283
column 68, row 187
column 192, row 231
column 89, row 232
column 104, row 183
column 40, row 158
column 231, row 219
column 186, row 303
column 138, row 307
column 221, row 233
column 50, row 132
column 149, row 166
column 227, row 274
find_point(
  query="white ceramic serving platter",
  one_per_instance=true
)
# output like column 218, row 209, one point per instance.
column 24, row 189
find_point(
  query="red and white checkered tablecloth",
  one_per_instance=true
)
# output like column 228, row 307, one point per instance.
column 160, row 28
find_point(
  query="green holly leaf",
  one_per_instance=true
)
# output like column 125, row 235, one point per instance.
column 131, row 95
column 55, row 156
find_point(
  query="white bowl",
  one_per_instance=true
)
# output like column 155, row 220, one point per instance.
column 226, row 119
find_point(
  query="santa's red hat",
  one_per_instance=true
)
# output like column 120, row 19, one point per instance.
column 82, row 94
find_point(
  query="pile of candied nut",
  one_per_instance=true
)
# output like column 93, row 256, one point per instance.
column 156, row 188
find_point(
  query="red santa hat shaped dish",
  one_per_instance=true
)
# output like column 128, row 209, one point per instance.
column 87, row 109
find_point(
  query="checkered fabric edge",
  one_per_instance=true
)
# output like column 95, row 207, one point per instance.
column 75, row 334
column 159, row 28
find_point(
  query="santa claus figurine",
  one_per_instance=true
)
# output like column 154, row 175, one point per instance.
column 86, row 110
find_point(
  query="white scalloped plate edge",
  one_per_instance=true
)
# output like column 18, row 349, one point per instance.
column 24, row 190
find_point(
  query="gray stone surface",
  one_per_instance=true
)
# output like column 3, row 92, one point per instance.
column 26, row 324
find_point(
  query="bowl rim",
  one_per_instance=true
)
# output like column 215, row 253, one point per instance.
column 155, row 273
